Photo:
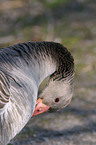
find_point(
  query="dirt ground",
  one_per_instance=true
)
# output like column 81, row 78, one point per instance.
column 72, row 23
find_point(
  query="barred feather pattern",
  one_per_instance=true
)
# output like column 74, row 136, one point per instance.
column 4, row 89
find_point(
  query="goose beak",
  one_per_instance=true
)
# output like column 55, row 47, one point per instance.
column 40, row 108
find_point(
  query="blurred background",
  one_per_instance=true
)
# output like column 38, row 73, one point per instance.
column 72, row 23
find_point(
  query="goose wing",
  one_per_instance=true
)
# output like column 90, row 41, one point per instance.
column 16, row 106
column 4, row 91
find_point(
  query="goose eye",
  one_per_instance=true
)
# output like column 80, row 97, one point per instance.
column 57, row 100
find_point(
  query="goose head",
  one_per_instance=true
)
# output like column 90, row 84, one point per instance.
column 54, row 96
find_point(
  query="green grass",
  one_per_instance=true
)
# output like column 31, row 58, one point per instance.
column 54, row 3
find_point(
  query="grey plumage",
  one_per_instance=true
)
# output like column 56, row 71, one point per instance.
column 22, row 68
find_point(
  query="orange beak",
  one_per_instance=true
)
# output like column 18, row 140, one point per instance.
column 40, row 108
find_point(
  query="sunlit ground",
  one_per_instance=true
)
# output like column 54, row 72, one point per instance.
column 72, row 23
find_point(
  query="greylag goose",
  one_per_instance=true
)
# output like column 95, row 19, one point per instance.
column 22, row 69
